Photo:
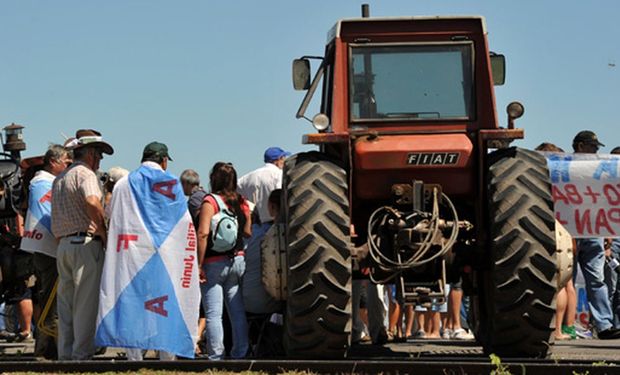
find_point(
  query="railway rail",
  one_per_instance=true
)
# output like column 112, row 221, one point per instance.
column 415, row 356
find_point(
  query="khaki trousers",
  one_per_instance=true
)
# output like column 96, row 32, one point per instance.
column 80, row 262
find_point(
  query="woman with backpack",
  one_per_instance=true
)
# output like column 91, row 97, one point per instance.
column 224, row 222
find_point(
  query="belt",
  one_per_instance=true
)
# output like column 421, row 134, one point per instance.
column 85, row 234
column 218, row 258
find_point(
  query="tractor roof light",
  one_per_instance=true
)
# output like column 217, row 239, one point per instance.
column 320, row 122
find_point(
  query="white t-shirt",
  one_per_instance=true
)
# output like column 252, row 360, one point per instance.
column 258, row 184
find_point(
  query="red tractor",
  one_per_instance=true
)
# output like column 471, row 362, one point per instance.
column 413, row 165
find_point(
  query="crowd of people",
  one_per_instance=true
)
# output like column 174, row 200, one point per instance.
column 71, row 204
column 593, row 257
column 375, row 304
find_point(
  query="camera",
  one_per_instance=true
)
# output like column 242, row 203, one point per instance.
column 104, row 177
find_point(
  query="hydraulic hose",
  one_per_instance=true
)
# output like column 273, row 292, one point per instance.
column 421, row 255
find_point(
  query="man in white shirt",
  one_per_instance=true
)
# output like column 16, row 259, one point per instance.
column 258, row 184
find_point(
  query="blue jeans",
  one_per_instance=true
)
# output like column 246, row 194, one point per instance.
column 591, row 259
column 224, row 286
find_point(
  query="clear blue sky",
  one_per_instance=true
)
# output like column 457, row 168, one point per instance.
column 212, row 79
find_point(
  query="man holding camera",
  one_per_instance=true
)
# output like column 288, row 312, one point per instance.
column 38, row 239
column 78, row 222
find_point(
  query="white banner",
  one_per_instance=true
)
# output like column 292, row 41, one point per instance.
column 586, row 193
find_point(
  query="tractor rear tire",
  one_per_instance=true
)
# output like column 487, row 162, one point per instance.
column 518, row 297
column 316, row 214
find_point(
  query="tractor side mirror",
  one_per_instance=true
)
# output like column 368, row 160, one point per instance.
column 498, row 69
column 301, row 74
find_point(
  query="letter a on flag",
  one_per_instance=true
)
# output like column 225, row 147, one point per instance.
column 145, row 300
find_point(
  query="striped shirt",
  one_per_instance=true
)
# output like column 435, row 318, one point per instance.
column 69, row 199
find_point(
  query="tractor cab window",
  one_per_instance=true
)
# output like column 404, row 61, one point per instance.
column 411, row 82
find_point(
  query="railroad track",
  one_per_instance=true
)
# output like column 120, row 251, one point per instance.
column 436, row 365
column 576, row 357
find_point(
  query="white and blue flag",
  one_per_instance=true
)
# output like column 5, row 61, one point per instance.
column 150, row 294
column 38, row 224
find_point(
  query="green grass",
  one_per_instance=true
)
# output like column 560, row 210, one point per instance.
column 156, row 372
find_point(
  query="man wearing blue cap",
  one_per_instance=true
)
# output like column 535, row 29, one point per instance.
column 258, row 184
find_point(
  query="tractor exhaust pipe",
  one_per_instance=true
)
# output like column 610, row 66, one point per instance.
column 365, row 11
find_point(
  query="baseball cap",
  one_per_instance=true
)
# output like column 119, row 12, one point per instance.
column 155, row 149
column 587, row 136
column 275, row 153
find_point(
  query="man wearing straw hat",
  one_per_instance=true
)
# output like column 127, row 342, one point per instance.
column 78, row 223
